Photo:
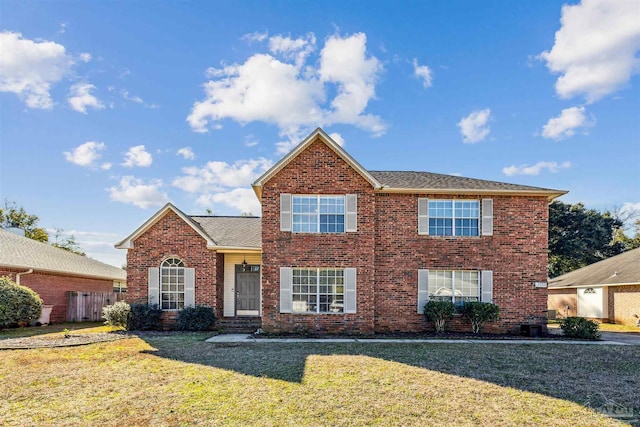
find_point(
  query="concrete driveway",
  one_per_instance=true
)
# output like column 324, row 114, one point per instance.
column 630, row 338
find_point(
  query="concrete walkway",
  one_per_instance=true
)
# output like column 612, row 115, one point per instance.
column 244, row 338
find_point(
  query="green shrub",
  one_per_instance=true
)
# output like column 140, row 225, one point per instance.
column 579, row 327
column 198, row 318
column 116, row 314
column 144, row 317
column 439, row 312
column 480, row 313
column 18, row 304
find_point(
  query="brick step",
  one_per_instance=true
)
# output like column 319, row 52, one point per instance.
column 240, row 324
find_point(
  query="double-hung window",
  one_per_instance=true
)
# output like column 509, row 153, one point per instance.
column 317, row 290
column 457, row 286
column 172, row 284
column 318, row 214
column 454, row 217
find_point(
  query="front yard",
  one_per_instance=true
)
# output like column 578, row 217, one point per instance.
column 177, row 379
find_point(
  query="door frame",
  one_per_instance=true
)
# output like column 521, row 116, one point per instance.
column 248, row 268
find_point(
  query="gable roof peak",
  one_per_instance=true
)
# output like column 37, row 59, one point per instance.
column 317, row 135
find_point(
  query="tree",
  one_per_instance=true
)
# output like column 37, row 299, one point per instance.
column 68, row 243
column 12, row 216
column 579, row 237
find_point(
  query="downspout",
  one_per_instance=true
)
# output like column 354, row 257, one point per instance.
column 29, row 271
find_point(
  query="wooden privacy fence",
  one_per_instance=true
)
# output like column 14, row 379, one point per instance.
column 87, row 306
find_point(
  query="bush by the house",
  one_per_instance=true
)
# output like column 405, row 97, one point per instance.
column 198, row 318
column 439, row 312
column 144, row 317
column 18, row 304
column 480, row 313
column 116, row 314
column 579, row 327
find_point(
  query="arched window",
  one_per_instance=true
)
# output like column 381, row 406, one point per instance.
column 172, row 281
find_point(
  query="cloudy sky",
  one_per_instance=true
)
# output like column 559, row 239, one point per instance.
column 111, row 109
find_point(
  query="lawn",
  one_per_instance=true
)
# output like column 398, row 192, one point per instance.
column 177, row 379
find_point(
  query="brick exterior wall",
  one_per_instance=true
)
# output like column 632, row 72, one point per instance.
column 516, row 253
column 318, row 170
column 53, row 288
column 560, row 299
column 624, row 304
column 172, row 237
column 387, row 251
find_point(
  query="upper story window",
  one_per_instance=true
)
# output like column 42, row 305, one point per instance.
column 441, row 217
column 172, row 283
column 318, row 214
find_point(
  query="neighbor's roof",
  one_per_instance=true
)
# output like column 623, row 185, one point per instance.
column 623, row 269
column 221, row 233
column 232, row 231
column 23, row 253
column 436, row 183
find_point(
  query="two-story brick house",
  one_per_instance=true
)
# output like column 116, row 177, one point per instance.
column 343, row 249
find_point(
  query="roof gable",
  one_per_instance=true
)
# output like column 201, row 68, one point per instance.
column 24, row 253
column 127, row 243
column 316, row 135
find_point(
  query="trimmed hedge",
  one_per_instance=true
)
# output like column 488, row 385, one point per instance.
column 18, row 304
column 144, row 317
column 198, row 318
column 579, row 327
column 480, row 313
column 439, row 312
column 116, row 314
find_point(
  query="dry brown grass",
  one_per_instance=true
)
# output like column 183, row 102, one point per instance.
column 177, row 379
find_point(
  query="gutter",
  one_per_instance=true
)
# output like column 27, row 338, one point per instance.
column 18, row 275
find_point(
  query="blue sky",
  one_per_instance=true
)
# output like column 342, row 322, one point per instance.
column 111, row 109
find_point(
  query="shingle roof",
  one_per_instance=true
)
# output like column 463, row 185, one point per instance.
column 232, row 231
column 21, row 252
column 436, row 181
column 623, row 268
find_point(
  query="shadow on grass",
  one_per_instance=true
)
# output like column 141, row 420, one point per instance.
column 32, row 331
column 594, row 376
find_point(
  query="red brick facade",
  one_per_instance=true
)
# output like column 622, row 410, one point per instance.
column 53, row 288
column 387, row 251
column 172, row 237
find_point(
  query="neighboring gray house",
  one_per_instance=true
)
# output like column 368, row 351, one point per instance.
column 51, row 271
column 608, row 290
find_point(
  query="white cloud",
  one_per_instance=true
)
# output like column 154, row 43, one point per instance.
column 250, row 141
column 187, row 153
column 286, row 88
column 474, row 128
column 85, row 57
column 565, row 124
column 242, row 199
column 552, row 167
column 422, row 72
column 337, row 138
column 133, row 98
column 29, row 68
column 255, row 37
column 80, row 98
column 106, row 166
column 137, row 156
column 85, row 154
column 221, row 176
column 135, row 191
column 595, row 48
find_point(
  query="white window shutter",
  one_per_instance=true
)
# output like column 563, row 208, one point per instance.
column 349, row 290
column 487, row 286
column 153, row 286
column 423, row 216
column 487, row 217
column 351, row 213
column 285, row 289
column 423, row 289
column 285, row 212
column 189, row 287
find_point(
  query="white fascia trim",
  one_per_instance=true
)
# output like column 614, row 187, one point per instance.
column 234, row 249
column 598, row 285
column 549, row 194
column 127, row 243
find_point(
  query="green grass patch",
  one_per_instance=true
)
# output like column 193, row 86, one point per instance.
column 178, row 379
column 73, row 327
